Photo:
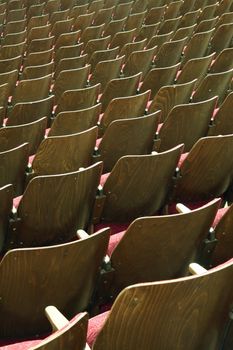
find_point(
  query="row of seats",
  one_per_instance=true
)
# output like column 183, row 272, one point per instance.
column 112, row 112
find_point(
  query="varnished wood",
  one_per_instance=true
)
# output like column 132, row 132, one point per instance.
column 223, row 62
column 35, row 10
column 92, row 32
column 184, row 32
column 23, row 113
column 216, row 84
column 122, row 38
column 122, row 10
column 37, row 45
column 61, row 27
column 106, row 71
column 13, row 165
column 170, row 53
column 16, row 15
column 39, row 32
column 71, row 79
column 169, row 25
column 96, row 45
column 43, row 218
column 9, row 64
column 96, row 5
column 191, row 300
column 124, row 108
column 189, row 19
column 188, row 5
column 72, row 100
column 159, row 40
column 129, row 194
column 223, row 232
column 207, row 24
column 52, row 6
column 155, row 14
column 78, row 10
column 32, row 90
column 26, row 279
column 186, row 124
column 140, row 61
column 147, row 31
column 58, row 16
column 37, row 21
column 114, row 26
column 198, row 46
column 120, row 88
column 103, row 55
column 71, row 63
column 127, row 137
column 224, row 6
column 171, row 96
column 14, row 38
column 73, row 122
column 145, row 252
column 63, row 154
column 222, row 38
column 208, row 11
column 15, row 26
column 34, row 72
column 6, row 198
column 128, row 48
column 159, row 77
column 222, row 124
column 9, row 78
column 32, row 133
column 67, row 39
column 10, row 51
column 38, row 58
column 4, row 94
column 195, row 68
column 104, row 15
column 207, row 171
column 67, row 52
column 173, row 9
column 83, row 21
column 135, row 20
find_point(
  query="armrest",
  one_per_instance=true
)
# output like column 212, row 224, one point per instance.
column 181, row 208
column 55, row 317
column 196, row 269
column 99, row 205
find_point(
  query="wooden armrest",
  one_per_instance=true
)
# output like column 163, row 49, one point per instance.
column 82, row 234
column 55, row 317
column 196, row 269
column 181, row 208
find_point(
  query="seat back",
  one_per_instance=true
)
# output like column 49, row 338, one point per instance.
column 6, row 197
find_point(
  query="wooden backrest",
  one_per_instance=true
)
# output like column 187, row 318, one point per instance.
column 103, row 15
column 223, row 232
column 124, row 108
column 37, row 21
column 72, row 122
column 128, row 48
column 106, row 71
column 173, row 9
column 159, row 77
column 222, row 37
column 69, row 63
column 186, row 124
column 114, row 26
column 147, row 31
column 13, row 136
column 97, row 44
column 72, row 100
column 207, row 24
column 170, row 53
column 223, row 62
column 103, row 55
column 13, row 165
column 70, row 80
column 66, row 153
column 197, row 46
column 64, row 264
column 34, row 72
column 61, row 27
column 146, row 251
column 207, row 171
column 38, row 58
column 135, row 20
column 6, row 198
column 222, row 123
column 184, row 32
column 216, row 84
column 195, row 68
column 67, row 52
column 139, row 61
column 190, row 299
column 119, row 88
column 169, row 25
column 128, row 137
column 122, row 38
column 10, row 51
column 83, row 21
column 15, row 26
column 39, row 32
column 10, row 78
column 14, row 38
column 9, row 64
column 130, row 194
column 189, row 18
column 92, row 32
column 208, row 11
column 159, row 40
column 27, row 112
column 122, row 10
column 67, row 39
column 155, row 14
column 32, row 89
column 37, row 45
column 170, row 96
column 62, row 204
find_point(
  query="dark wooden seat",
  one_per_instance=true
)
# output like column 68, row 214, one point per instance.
column 222, row 124
column 122, row 10
column 9, row 64
column 103, row 15
column 93, row 45
column 170, row 53
column 114, row 26
column 16, row 15
column 96, row 5
column 34, row 72
column 173, row 9
column 190, row 299
column 72, row 122
column 169, row 25
column 35, row 10
column 37, row 21
column 67, row 64
column 14, row 38
column 147, row 31
column 216, row 84
column 123, row 37
column 222, row 38
column 189, row 18
column 4, row 95
column 155, row 14
column 42, row 216
column 124, row 108
column 72, row 100
column 9, row 78
column 67, row 39
column 195, row 68
column 31, row 133
column 67, row 52
column 206, row 25
column 92, row 32
column 59, row 15
column 13, row 166
column 71, row 79
column 170, row 96
column 106, row 71
column 120, row 88
column 61, row 27
column 15, row 26
column 27, row 112
column 37, row 45
column 63, row 154
column 135, row 20
column 61, row 290
column 6, row 198
column 83, row 21
column 78, row 10
column 139, row 61
column 32, row 90
column 128, row 48
column 208, row 11
column 39, row 32
column 38, row 58
column 127, row 182
column 154, row 241
column 103, row 55
column 123, row 137
column 207, row 170
column 223, row 62
column 10, row 51
column 186, row 124
column 184, row 32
